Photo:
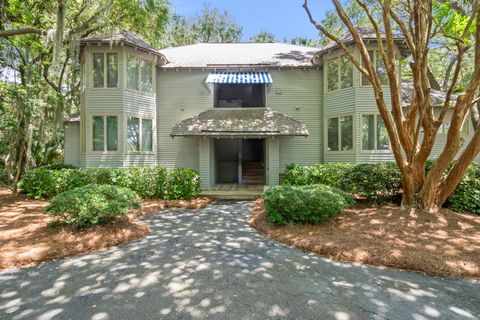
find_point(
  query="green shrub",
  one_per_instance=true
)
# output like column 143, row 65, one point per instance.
column 147, row 182
column 92, row 204
column 39, row 183
column 182, row 183
column 328, row 174
column 377, row 182
column 466, row 197
column 57, row 166
column 304, row 204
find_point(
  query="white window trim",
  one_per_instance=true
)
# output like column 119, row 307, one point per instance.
column 105, row 138
column 376, row 115
column 375, row 54
column 340, row 151
column 105, row 70
column 139, row 59
column 140, row 138
column 339, row 73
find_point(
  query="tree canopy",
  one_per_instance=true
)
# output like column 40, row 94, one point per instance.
column 426, row 26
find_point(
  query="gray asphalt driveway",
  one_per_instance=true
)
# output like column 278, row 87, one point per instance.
column 211, row 264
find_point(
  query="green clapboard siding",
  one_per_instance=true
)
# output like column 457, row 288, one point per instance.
column 180, row 95
column 298, row 93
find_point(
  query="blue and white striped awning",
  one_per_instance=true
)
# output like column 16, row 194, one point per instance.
column 240, row 77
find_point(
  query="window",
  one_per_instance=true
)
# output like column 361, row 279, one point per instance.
column 346, row 72
column 105, row 127
column 105, row 74
column 339, row 73
column 446, row 126
column 147, row 133
column 340, row 133
column 139, row 74
column 239, row 95
column 332, row 74
column 139, row 134
column 374, row 133
column 380, row 66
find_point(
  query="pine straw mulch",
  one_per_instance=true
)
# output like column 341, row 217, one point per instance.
column 445, row 244
column 26, row 239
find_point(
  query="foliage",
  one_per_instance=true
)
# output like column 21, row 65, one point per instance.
column 304, row 204
column 377, row 182
column 328, row 174
column 43, row 72
column 182, row 183
column 466, row 197
column 147, row 182
column 263, row 37
column 211, row 25
column 92, row 204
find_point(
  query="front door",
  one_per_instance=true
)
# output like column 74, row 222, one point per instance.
column 239, row 161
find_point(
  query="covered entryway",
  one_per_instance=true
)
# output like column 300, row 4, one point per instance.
column 239, row 161
column 239, row 147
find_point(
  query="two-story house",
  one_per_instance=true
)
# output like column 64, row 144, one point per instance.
column 239, row 113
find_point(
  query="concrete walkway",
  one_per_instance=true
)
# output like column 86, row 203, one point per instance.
column 210, row 264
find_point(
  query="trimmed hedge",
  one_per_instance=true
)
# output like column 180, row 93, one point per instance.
column 304, row 204
column 328, row 174
column 466, row 197
column 147, row 182
column 381, row 182
column 377, row 182
column 92, row 204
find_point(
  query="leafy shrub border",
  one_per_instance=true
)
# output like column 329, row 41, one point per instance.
column 148, row 182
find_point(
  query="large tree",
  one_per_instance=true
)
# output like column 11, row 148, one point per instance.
column 211, row 25
column 413, row 131
column 39, row 48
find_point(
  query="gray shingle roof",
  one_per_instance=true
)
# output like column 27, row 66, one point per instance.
column 240, row 122
column 204, row 55
column 75, row 117
column 122, row 36
column 438, row 97
column 366, row 34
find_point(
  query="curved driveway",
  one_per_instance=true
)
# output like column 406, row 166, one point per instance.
column 211, row 264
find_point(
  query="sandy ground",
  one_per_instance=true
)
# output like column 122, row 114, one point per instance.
column 444, row 244
column 26, row 240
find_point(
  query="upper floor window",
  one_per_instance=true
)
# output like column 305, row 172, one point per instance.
column 105, row 133
column 139, row 134
column 380, row 67
column 446, row 126
column 339, row 73
column 374, row 133
column 239, row 95
column 340, row 133
column 105, row 69
column 139, row 74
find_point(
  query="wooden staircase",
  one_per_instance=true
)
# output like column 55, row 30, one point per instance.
column 253, row 173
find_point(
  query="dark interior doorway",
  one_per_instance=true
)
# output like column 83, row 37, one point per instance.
column 239, row 161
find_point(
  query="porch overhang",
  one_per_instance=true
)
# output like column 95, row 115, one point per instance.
column 241, row 122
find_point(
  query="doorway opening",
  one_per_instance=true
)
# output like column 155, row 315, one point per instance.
column 239, row 161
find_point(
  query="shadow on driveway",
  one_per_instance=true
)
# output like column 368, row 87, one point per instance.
column 209, row 263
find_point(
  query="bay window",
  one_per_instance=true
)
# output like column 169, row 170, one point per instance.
column 377, row 61
column 374, row 133
column 139, row 74
column 339, row 73
column 104, row 70
column 340, row 133
column 139, row 134
column 104, row 133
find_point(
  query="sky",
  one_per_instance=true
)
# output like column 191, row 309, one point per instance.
column 284, row 18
